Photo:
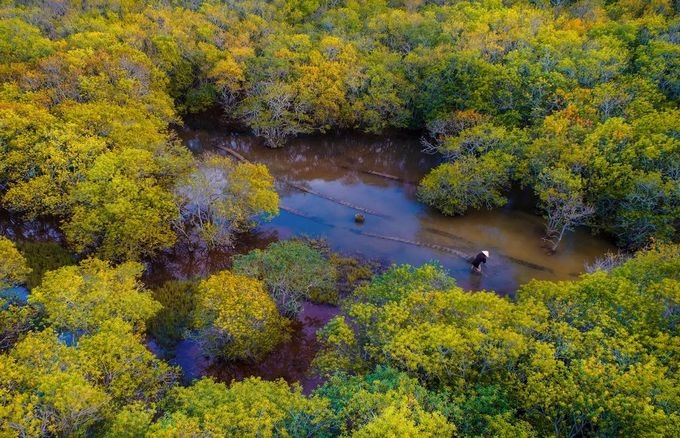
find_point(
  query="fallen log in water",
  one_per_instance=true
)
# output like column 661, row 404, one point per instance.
column 304, row 215
column 447, row 234
column 380, row 174
column 464, row 256
column 305, row 189
column 294, row 211
column 384, row 175
column 422, row 244
column 233, row 153
column 332, row 199
column 528, row 264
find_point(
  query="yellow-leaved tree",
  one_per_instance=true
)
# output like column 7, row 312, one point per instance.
column 235, row 318
column 252, row 407
column 15, row 317
column 71, row 377
column 121, row 208
column 518, row 368
column 13, row 267
column 79, row 299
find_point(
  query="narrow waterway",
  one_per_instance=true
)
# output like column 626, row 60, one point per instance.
column 324, row 182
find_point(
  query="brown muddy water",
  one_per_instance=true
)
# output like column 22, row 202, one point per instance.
column 290, row 361
column 323, row 182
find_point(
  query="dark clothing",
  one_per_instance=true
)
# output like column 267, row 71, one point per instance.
column 479, row 258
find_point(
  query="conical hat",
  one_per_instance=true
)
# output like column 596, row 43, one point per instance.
column 486, row 253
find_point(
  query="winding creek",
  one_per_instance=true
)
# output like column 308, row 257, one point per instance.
column 322, row 183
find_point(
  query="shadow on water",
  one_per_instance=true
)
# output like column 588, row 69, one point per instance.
column 186, row 263
column 323, row 183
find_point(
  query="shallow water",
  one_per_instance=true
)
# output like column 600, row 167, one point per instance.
column 291, row 361
column 323, row 182
column 17, row 294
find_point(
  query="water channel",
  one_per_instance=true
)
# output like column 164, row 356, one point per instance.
column 323, row 182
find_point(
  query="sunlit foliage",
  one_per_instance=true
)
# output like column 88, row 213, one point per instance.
column 522, row 366
column 16, row 318
column 49, row 388
column 383, row 403
column 85, row 358
column 79, row 299
column 236, row 318
column 292, row 271
column 13, row 266
column 576, row 101
column 119, row 209
column 252, row 407
column 590, row 87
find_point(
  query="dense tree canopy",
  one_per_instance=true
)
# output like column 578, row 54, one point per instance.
column 236, row 318
column 79, row 299
column 86, row 360
column 249, row 408
column 590, row 87
column 413, row 354
column 576, row 101
column 13, row 267
column 292, row 271
column 595, row 356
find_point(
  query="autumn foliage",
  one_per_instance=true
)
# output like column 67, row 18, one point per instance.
column 573, row 101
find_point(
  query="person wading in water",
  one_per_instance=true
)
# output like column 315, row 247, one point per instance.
column 478, row 260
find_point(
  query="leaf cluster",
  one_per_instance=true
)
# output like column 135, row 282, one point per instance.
column 520, row 367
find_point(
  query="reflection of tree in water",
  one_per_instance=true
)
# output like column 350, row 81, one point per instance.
column 253, row 239
column 186, row 261
column 291, row 360
column 329, row 158
column 283, row 186
column 181, row 262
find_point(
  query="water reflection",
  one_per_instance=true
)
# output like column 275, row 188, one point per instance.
column 16, row 294
column 374, row 176
column 41, row 230
column 377, row 176
column 185, row 262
